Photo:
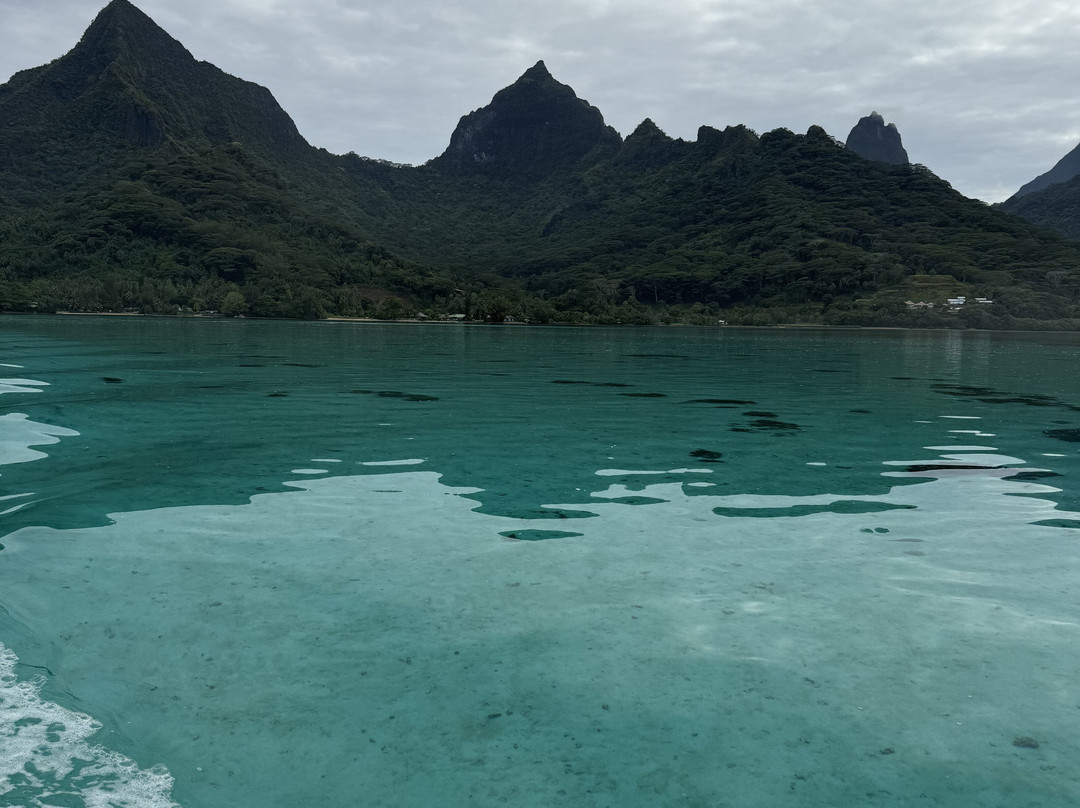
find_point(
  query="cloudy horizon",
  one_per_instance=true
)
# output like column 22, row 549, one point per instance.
column 978, row 91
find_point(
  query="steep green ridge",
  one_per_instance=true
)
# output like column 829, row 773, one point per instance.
column 1054, row 203
column 134, row 176
column 126, row 89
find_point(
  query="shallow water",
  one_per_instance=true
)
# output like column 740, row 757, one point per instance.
column 279, row 564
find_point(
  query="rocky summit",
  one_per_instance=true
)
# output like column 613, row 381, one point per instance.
column 529, row 128
column 874, row 139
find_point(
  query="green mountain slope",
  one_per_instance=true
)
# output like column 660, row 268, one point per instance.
column 134, row 176
column 126, row 89
column 1056, row 205
column 794, row 224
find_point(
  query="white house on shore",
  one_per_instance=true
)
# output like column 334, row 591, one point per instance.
column 959, row 302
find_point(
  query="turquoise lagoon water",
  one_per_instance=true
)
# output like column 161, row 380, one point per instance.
column 296, row 564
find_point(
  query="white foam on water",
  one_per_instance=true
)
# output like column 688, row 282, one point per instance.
column 308, row 471
column 975, row 432
column 411, row 462
column 47, row 757
column 324, row 460
column 18, row 433
column 21, row 385
column 1052, row 454
column 963, row 417
column 817, row 464
column 6, row 365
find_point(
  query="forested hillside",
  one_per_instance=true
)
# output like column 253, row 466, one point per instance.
column 134, row 177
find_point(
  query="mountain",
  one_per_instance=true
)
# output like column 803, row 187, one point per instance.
column 1052, row 199
column 133, row 176
column 529, row 129
column 1064, row 170
column 873, row 139
column 126, row 88
column 1056, row 207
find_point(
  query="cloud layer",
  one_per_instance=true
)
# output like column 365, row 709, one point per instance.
column 980, row 91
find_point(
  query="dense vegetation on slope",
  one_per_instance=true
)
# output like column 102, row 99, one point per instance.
column 134, row 177
column 778, row 226
column 1055, row 206
column 206, row 230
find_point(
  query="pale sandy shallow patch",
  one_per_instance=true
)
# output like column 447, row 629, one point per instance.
column 18, row 433
column 659, row 651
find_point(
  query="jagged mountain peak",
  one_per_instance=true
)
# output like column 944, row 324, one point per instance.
column 121, row 14
column 122, row 30
column 537, row 72
column 648, row 129
column 874, row 139
column 648, row 146
column 530, row 128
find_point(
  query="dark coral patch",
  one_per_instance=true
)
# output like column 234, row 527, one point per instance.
column 539, row 535
column 989, row 395
column 1031, row 476
column 771, row 424
column 918, row 467
column 706, row 455
column 590, row 384
column 1067, row 435
column 397, row 394
column 844, row 506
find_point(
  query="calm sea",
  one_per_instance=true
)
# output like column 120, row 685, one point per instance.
column 326, row 564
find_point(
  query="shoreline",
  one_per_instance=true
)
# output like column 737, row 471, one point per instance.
column 439, row 322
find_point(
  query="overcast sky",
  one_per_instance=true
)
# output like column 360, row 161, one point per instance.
column 982, row 91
